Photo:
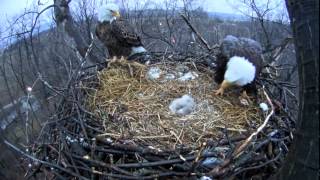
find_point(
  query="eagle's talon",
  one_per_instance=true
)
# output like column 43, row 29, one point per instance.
column 218, row 92
column 244, row 95
column 245, row 99
column 112, row 60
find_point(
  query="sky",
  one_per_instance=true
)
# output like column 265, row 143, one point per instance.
column 218, row 6
column 11, row 9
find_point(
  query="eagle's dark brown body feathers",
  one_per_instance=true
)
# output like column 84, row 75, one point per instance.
column 119, row 37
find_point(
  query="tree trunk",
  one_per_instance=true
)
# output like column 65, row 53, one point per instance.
column 65, row 20
column 303, row 159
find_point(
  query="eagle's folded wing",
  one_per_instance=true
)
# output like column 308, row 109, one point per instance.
column 125, row 33
column 102, row 30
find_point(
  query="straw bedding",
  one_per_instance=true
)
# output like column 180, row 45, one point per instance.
column 136, row 109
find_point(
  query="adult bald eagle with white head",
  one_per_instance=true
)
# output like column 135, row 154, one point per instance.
column 116, row 34
column 239, row 63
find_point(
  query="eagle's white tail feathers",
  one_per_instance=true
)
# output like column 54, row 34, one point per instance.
column 136, row 50
column 239, row 71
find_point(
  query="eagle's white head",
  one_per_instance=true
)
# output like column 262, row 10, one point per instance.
column 240, row 71
column 108, row 12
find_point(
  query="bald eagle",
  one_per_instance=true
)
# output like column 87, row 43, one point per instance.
column 116, row 34
column 238, row 63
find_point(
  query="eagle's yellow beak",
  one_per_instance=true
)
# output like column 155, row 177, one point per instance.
column 116, row 14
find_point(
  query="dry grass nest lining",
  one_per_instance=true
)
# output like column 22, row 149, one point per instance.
column 135, row 108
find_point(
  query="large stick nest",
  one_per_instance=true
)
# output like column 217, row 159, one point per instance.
column 131, row 106
column 117, row 124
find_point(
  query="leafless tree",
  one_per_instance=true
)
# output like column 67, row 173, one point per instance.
column 266, row 17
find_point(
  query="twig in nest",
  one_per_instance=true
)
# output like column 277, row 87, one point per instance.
column 165, row 162
column 224, row 167
column 197, row 159
column 258, row 166
column 238, row 151
column 134, row 137
column 176, row 136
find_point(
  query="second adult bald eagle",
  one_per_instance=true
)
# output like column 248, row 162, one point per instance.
column 116, row 34
column 238, row 64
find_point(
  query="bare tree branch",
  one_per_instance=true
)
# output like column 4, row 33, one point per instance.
column 65, row 20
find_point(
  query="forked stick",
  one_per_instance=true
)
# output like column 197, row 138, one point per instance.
column 238, row 151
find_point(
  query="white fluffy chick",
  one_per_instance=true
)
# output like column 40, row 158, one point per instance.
column 188, row 76
column 154, row 73
column 183, row 105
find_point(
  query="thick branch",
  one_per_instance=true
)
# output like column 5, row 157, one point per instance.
column 203, row 41
column 65, row 20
